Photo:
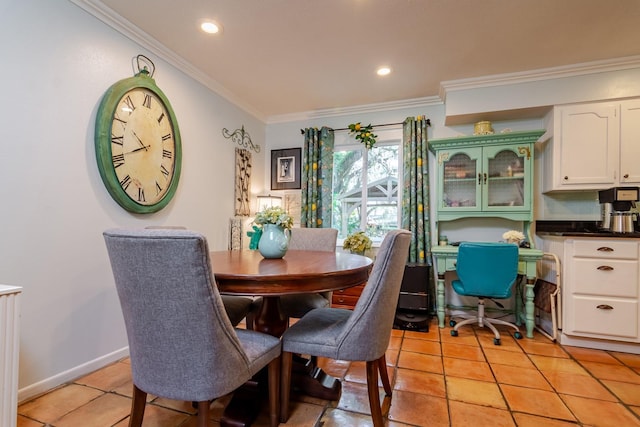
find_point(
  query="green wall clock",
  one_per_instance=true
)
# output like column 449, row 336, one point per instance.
column 138, row 146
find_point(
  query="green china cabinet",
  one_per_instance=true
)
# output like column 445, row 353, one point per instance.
column 485, row 176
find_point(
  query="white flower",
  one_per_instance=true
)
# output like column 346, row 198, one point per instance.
column 513, row 236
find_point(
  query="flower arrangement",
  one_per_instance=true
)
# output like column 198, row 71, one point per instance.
column 274, row 215
column 513, row 236
column 363, row 133
column 357, row 242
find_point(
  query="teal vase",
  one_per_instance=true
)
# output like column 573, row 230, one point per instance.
column 273, row 242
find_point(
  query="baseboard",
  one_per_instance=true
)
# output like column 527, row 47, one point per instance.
column 619, row 346
column 45, row 385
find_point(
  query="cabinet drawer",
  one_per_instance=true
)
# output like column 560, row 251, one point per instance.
column 621, row 320
column 353, row 291
column 602, row 248
column 617, row 278
column 348, row 300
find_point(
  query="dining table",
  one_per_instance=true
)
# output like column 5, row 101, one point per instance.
column 248, row 273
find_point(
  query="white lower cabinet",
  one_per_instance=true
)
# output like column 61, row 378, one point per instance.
column 601, row 289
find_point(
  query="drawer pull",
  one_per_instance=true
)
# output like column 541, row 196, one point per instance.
column 605, row 268
column 604, row 249
column 604, row 307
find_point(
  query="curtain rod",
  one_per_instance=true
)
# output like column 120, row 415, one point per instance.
column 375, row 126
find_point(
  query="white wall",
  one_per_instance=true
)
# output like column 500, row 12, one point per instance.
column 57, row 62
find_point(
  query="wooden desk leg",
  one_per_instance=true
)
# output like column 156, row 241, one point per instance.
column 440, row 299
column 529, row 306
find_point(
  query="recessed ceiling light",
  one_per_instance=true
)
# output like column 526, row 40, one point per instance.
column 210, row 27
column 383, row 71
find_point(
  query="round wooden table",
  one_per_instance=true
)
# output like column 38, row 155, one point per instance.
column 248, row 273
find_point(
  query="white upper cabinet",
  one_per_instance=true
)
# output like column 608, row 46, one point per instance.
column 594, row 146
column 630, row 142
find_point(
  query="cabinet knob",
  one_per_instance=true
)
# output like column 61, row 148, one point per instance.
column 604, row 307
column 626, row 176
column 566, row 178
column 605, row 249
column 605, row 268
column 479, row 178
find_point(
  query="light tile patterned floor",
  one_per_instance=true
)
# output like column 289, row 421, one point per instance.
column 438, row 380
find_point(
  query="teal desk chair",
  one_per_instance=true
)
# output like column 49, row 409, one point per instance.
column 486, row 271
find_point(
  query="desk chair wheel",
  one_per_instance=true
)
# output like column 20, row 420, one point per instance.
column 454, row 333
column 518, row 335
column 496, row 341
column 452, row 323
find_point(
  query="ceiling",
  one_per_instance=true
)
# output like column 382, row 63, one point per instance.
column 280, row 57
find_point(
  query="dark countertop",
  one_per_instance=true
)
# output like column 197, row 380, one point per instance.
column 578, row 229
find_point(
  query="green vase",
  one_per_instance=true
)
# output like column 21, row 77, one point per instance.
column 273, row 242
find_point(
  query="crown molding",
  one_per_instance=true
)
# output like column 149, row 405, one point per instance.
column 356, row 109
column 108, row 16
column 565, row 71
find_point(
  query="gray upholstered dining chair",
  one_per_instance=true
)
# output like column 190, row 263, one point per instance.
column 359, row 335
column 309, row 239
column 237, row 307
column 182, row 345
column 297, row 305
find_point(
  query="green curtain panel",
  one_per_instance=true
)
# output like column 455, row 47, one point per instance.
column 415, row 199
column 317, row 172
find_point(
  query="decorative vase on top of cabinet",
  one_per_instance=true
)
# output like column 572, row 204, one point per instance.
column 485, row 176
column 593, row 146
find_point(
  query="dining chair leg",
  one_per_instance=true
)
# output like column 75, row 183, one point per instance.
column 285, row 385
column 274, row 391
column 249, row 321
column 374, row 397
column 384, row 374
column 203, row 413
column 137, row 407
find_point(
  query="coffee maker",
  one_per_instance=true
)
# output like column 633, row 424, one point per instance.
column 615, row 206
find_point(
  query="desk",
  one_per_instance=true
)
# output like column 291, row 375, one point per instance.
column 248, row 273
column 445, row 259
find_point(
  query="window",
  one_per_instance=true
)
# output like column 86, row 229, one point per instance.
column 376, row 210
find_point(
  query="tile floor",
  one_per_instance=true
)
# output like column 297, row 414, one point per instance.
column 438, row 380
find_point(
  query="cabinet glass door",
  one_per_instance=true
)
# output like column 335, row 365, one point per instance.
column 460, row 186
column 505, row 178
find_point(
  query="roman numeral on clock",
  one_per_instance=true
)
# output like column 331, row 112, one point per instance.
column 129, row 103
column 126, row 181
column 117, row 140
column 118, row 160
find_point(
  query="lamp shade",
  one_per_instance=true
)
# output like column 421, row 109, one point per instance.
column 267, row 201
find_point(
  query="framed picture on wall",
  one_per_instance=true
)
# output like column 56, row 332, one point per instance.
column 285, row 169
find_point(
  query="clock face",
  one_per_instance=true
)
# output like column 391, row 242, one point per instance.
column 138, row 146
column 143, row 149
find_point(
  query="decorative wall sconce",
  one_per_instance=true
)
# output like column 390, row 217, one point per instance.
column 242, row 138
